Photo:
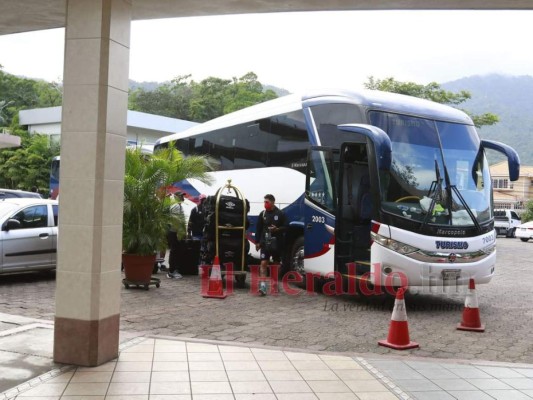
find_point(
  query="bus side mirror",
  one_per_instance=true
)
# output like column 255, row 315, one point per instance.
column 513, row 160
column 381, row 141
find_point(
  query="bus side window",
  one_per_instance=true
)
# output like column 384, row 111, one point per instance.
column 183, row 145
column 219, row 145
column 290, row 140
column 251, row 145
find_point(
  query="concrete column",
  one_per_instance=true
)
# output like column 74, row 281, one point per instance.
column 93, row 141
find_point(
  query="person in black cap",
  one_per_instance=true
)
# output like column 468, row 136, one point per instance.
column 195, row 226
column 271, row 225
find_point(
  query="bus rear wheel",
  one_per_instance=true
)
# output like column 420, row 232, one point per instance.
column 297, row 265
column 524, row 239
column 297, row 256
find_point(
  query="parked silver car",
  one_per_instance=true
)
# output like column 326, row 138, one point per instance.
column 28, row 235
column 10, row 193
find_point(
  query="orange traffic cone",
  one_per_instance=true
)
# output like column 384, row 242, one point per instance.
column 471, row 320
column 398, row 338
column 215, row 287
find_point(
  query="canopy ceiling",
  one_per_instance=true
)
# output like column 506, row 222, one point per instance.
column 30, row 15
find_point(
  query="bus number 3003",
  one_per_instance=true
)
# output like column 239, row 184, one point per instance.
column 319, row 219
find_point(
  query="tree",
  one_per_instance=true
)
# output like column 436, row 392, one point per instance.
column 29, row 164
column 3, row 105
column 169, row 100
column 22, row 93
column 209, row 98
column 527, row 215
column 147, row 209
column 246, row 92
column 432, row 91
column 201, row 101
column 50, row 93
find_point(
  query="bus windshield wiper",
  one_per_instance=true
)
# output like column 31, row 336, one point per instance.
column 434, row 192
column 449, row 189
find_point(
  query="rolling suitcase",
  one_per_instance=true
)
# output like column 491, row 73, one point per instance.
column 189, row 251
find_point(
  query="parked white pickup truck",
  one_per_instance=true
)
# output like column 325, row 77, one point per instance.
column 505, row 222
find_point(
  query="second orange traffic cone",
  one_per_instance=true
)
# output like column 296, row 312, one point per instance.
column 471, row 320
column 215, row 287
column 398, row 338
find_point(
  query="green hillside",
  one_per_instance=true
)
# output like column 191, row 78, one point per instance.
column 509, row 97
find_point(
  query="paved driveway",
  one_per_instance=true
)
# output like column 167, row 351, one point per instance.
column 318, row 322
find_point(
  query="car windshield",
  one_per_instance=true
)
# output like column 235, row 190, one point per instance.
column 439, row 174
column 6, row 208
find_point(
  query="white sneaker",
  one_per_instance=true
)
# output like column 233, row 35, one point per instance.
column 177, row 275
column 262, row 289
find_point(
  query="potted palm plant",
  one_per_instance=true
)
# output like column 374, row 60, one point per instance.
column 148, row 210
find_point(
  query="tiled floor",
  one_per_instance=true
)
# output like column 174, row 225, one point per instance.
column 450, row 381
column 158, row 369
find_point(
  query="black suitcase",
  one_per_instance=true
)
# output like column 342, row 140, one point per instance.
column 189, row 256
column 228, row 204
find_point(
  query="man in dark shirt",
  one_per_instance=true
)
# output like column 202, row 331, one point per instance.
column 195, row 227
column 271, row 225
column 172, row 240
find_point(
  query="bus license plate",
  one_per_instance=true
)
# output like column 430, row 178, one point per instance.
column 451, row 274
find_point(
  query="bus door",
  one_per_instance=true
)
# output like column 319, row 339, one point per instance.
column 319, row 211
column 354, row 210
column 361, row 162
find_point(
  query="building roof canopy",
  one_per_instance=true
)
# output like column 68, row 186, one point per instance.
column 136, row 119
column 31, row 15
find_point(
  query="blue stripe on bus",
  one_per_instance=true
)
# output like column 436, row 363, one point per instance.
column 189, row 191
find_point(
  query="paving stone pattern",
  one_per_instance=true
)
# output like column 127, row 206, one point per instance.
column 318, row 322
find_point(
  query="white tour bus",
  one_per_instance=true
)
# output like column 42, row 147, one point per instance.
column 378, row 186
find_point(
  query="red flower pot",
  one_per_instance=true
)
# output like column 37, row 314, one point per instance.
column 138, row 269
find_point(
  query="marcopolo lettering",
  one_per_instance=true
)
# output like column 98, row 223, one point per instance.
column 450, row 232
column 447, row 245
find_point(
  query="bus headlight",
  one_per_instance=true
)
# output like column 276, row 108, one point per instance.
column 392, row 244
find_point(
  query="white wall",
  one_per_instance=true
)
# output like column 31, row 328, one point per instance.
column 45, row 129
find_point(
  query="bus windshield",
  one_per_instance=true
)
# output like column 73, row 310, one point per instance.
column 439, row 174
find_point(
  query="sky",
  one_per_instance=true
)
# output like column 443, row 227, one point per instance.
column 298, row 51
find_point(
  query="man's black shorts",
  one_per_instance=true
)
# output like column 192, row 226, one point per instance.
column 263, row 255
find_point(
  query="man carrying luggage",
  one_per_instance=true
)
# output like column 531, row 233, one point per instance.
column 271, row 225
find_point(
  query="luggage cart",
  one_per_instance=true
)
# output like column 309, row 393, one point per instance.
column 240, row 274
